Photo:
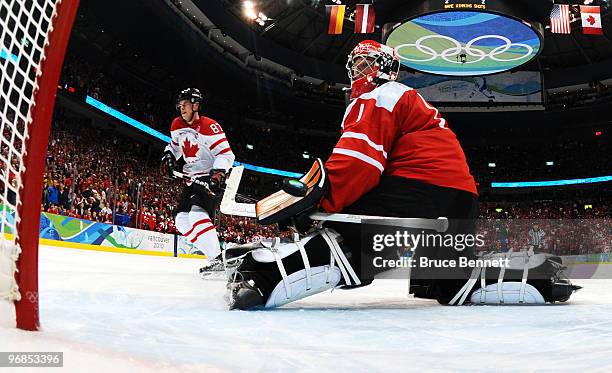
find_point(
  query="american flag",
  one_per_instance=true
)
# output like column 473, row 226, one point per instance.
column 560, row 19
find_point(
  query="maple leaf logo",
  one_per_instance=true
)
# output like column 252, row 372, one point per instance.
column 190, row 150
column 591, row 20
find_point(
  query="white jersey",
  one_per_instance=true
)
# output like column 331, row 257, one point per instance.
column 202, row 145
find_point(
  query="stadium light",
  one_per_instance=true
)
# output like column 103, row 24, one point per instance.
column 305, row 155
column 248, row 5
column 250, row 147
column 492, row 165
column 250, row 14
column 550, row 163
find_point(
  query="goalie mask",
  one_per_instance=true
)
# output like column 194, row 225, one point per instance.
column 371, row 64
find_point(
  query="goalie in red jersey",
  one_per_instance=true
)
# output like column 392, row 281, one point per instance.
column 396, row 157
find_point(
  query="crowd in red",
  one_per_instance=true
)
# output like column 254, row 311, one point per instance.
column 96, row 175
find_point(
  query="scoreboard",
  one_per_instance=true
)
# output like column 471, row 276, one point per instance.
column 464, row 37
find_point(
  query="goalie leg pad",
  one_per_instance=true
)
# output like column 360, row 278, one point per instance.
column 285, row 272
column 527, row 279
column 303, row 284
column 509, row 293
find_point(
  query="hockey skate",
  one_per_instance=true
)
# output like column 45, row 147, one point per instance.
column 214, row 269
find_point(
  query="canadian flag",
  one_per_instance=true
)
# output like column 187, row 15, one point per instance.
column 591, row 20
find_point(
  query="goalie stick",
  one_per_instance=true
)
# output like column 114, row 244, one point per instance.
column 229, row 206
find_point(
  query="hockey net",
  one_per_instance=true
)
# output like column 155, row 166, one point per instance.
column 33, row 39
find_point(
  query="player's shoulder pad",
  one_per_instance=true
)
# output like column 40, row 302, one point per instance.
column 177, row 124
column 387, row 95
column 209, row 127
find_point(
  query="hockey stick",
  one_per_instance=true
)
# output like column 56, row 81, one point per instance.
column 183, row 176
column 206, row 185
column 229, row 206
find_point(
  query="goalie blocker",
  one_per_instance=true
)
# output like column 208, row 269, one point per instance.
column 273, row 273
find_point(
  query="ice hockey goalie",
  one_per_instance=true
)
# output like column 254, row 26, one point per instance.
column 396, row 158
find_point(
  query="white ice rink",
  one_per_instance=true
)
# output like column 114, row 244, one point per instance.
column 125, row 313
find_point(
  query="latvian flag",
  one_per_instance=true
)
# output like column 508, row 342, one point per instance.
column 365, row 19
column 560, row 19
column 336, row 18
column 591, row 20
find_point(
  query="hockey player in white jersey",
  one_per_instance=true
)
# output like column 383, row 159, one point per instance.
column 200, row 150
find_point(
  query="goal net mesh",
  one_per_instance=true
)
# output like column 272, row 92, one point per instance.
column 25, row 27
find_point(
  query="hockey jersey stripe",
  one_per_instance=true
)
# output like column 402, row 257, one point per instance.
column 218, row 142
column 200, row 222
column 441, row 121
column 361, row 157
column 226, row 150
column 364, row 137
column 201, row 233
column 361, row 147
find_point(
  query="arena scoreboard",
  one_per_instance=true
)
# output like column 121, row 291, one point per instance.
column 464, row 37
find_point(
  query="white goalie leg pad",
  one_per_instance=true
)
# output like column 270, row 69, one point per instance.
column 303, row 284
column 310, row 280
column 507, row 293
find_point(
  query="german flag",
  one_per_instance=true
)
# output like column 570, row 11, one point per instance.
column 336, row 18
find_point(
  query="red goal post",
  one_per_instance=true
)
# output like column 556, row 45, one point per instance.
column 33, row 38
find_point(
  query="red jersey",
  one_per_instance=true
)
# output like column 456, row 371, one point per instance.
column 393, row 131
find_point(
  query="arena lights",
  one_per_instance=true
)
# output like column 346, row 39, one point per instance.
column 492, row 165
column 124, row 118
column 550, row 163
column 144, row 128
column 250, row 147
column 529, row 184
column 250, row 11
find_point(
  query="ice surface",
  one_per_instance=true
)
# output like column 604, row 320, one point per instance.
column 119, row 312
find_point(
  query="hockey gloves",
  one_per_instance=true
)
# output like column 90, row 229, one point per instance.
column 217, row 180
column 168, row 164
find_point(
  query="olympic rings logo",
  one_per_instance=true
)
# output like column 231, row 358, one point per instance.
column 468, row 49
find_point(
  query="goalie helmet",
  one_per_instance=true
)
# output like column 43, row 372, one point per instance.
column 371, row 64
column 192, row 94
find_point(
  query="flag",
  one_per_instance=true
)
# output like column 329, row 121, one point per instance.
column 336, row 18
column 560, row 19
column 365, row 19
column 591, row 20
